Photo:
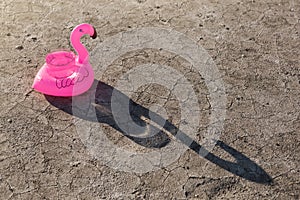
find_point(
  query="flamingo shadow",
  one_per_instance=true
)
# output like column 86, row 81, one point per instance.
column 99, row 98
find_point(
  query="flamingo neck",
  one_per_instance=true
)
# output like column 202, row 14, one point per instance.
column 82, row 53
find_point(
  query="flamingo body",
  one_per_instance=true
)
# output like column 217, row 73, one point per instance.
column 64, row 73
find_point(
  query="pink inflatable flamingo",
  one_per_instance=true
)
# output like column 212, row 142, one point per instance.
column 64, row 73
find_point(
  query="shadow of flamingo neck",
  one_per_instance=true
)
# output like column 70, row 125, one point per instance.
column 82, row 53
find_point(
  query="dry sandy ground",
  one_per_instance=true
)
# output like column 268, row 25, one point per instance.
column 255, row 46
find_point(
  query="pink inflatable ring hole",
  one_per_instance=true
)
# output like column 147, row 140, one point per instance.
column 60, row 58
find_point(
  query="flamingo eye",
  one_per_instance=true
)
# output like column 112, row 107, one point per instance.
column 80, row 30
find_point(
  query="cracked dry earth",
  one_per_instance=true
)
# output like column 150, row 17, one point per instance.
column 254, row 44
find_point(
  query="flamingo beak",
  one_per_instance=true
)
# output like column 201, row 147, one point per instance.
column 94, row 36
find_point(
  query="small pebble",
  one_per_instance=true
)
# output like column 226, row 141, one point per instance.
column 9, row 120
column 19, row 47
column 75, row 164
column 8, row 34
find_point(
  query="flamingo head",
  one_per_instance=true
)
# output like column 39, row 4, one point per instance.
column 84, row 29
